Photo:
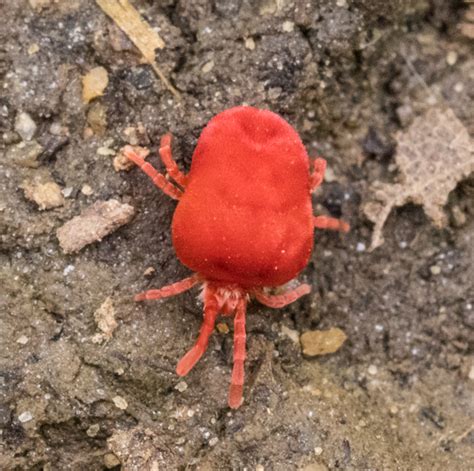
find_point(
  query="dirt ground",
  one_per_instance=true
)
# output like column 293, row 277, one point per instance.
column 348, row 75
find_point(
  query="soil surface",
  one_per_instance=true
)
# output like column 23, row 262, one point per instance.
column 87, row 376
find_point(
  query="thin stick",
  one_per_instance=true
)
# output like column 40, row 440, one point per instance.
column 127, row 18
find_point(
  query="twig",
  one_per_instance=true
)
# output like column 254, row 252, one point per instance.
column 140, row 33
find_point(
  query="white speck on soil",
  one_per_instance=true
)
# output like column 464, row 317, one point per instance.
column 360, row 247
column 372, row 370
column 25, row 126
column 23, row 340
column 181, row 386
column 120, row 402
column 25, row 417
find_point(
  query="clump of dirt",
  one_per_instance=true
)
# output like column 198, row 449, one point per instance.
column 349, row 75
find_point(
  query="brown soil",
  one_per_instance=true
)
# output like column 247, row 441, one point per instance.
column 348, row 75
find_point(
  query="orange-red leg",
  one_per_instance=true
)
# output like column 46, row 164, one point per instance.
column 238, row 374
column 280, row 300
column 319, row 167
column 191, row 358
column 158, row 179
column 333, row 224
column 167, row 158
column 167, row 291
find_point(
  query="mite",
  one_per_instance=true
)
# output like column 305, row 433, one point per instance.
column 244, row 221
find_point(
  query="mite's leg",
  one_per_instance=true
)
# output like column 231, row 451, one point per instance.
column 158, row 179
column 167, row 158
column 238, row 374
column 333, row 224
column 319, row 167
column 191, row 358
column 170, row 290
column 280, row 300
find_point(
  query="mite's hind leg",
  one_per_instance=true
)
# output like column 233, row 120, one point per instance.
column 238, row 372
column 277, row 301
column 333, row 224
column 319, row 167
column 158, row 179
column 167, row 291
column 167, row 158
column 191, row 358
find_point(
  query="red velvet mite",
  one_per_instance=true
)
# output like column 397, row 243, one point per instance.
column 243, row 223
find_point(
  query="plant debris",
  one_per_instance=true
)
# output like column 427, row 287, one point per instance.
column 433, row 155
column 46, row 195
column 105, row 319
column 121, row 161
column 139, row 32
column 94, row 83
column 93, row 224
column 322, row 342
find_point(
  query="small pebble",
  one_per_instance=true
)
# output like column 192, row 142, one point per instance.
column 87, row 190
column 213, row 441
column 318, row 451
column 93, row 430
column 120, row 402
column 250, row 44
column 94, row 83
column 207, row 67
column 181, row 386
column 111, row 461
column 360, row 247
column 25, row 126
column 33, row 49
column 150, row 271
column 25, row 417
column 372, row 370
column 458, row 87
column 23, row 340
column 67, row 192
column 105, row 151
column 435, row 270
column 259, row 467
column 471, row 373
column 68, row 269
column 452, row 57
column 288, row 26
column 222, row 328
column 341, row 3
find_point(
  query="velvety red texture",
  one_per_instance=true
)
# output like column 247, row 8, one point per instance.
column 246, row 215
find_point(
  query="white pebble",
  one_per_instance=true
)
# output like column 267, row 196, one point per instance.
column 360, row 247
column 23, row 340
column 181, row 386
column 288, row 26
column 452, row 57
column 435, row 270
column 68, row 269
column 25, row 416
column 372, row 370
column 213, row 441
column 120, row 402
column 318, row 450
column 25, row 126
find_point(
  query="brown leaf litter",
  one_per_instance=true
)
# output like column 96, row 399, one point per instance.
column 433, row 155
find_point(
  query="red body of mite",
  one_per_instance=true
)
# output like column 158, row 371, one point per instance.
column 244, row 220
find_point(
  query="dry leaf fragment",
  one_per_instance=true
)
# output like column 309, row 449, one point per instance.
column 94, row 223
column 139, row 32
column 46, row 195
column 105, row 319
column 94, row 83
column 433, row 155
column 322, row 342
